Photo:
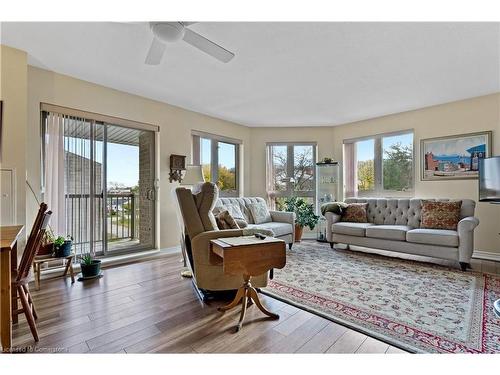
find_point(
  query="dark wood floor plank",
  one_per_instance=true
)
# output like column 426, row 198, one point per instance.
column 393, row 350
column 371, row 345
column 349, row 342
column 324, row 339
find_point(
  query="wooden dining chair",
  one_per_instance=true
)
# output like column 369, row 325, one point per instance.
column 21, row 276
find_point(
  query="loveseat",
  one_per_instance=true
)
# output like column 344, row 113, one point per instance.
column 394, row 225
column 281, row 224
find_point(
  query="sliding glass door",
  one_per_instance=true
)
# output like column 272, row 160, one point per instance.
column 129, row 193
column 100, row 178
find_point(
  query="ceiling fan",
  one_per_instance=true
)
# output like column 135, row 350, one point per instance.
column 168, row 32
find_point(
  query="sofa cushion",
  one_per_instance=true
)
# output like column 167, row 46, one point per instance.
column 440, row 237
column 355, row 213
column 440, row 215
column 351, row 229
column 279, row 229
column 388, row 232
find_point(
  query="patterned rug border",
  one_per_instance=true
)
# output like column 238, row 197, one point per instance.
column 391, row 340
column 344, row 323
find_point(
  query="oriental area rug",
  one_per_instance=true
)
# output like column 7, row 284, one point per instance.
column 419, row 307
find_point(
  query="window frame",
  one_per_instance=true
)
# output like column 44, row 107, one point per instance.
column 214, row 157
column 290, row 192
column 378, row 155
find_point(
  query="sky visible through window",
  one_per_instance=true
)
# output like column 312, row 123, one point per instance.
column 123, row 160
column 365, row 149
column 226, row 155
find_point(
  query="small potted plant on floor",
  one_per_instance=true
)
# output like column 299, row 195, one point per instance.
column 62, row 246
column 90, row 267
column 304, row 215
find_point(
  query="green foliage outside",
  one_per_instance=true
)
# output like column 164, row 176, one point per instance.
column 226, row 180
column 397, row 170
column 366, row 175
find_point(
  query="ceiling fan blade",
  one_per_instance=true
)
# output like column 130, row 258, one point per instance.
column 188, row 23
column 155, row 52
column 207, row 46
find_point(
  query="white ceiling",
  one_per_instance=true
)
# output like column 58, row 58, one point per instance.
column 284, row 74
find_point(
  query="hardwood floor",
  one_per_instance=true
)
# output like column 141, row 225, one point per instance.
column 149, row 307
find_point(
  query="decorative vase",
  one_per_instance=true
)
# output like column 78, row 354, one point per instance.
column 91, row 270
column 298, row 232
column 64, row 250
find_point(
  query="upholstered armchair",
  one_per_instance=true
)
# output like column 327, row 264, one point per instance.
column 200, row 227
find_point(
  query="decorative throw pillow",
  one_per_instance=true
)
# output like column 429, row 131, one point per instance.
column 226, row 221
column 242, row 223
column 259, row 212
column 233, row 210
column 335, row 207
column 440, row 215
column 355, row 213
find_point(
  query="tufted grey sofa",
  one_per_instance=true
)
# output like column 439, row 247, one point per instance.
column 282, row 224
column 394, row 225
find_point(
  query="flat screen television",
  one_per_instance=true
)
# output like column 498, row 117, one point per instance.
column 489, row 179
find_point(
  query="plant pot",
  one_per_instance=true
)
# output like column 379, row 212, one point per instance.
column 91, row 270
column 64, row 250
column 46, row 249
column 298, row 233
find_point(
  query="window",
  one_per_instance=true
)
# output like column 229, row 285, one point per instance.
column 379, row 165
column 291, row 171
column 218, row 157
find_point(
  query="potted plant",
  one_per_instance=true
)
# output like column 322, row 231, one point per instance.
column 90, row 267
column 304, row 215
column 62, row 246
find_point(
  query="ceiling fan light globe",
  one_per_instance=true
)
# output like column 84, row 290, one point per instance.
column 168, row 31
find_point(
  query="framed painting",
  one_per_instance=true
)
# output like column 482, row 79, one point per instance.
column 454, row 157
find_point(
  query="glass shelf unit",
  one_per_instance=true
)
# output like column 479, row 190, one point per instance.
column 327, row 190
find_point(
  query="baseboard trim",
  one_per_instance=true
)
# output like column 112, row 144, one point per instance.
column 114, row 260
column 487, row 255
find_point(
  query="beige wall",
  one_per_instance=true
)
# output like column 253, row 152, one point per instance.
column 174, row 137
column 472, row 115
column 13, row 92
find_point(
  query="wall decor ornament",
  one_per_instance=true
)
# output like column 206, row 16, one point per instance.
column 454, row 157
column 177, row 167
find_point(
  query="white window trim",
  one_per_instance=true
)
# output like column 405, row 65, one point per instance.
column 214, row 157
column 379, row 190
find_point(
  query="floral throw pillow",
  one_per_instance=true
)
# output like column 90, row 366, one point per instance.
column 355, row 213
column 259, row 212
column 440, row 215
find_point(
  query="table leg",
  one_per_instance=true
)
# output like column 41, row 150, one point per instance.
column 71, row 272
column 13, row 267
column 5, row 302
column 253, row 294
column 243, row 310
column 36, row 269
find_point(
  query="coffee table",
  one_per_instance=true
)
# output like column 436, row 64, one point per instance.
column 249, row 256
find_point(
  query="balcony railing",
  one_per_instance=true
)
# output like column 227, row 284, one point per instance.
column 121, row 212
